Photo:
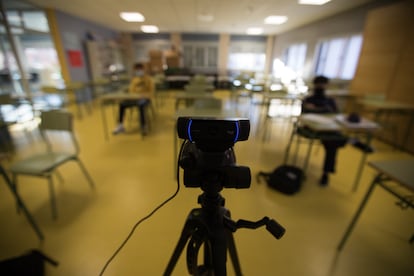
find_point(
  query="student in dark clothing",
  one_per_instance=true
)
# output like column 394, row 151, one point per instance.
column 318, row 102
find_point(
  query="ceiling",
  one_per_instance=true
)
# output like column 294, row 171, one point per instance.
column 230, row 16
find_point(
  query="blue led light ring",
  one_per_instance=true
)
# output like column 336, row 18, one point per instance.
column 189, row 130
column 237, row 132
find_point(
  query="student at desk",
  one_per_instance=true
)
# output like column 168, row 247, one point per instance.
column 318, row 102
column 141, row 83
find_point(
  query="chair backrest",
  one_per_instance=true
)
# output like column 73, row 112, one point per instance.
column 208, row 103
column 56, row 120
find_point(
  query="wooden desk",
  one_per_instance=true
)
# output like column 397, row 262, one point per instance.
column 317, row 123
column 400, row 171
column 112, row 98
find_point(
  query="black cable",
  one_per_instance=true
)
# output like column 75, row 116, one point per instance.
column 146, row 217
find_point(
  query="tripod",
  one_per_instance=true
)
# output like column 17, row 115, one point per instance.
column 212, row 227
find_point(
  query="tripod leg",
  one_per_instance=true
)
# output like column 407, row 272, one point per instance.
column 233, row 253
column 218, row 241
column 185, row 235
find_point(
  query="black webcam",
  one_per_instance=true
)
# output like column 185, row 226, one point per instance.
column 213, row 134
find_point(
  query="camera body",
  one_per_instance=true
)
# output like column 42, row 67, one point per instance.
column 213, row 134
column 208, row 157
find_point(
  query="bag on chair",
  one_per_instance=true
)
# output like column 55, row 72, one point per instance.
column 286, row 179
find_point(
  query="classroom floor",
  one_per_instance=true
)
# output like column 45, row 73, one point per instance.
column 134, row 174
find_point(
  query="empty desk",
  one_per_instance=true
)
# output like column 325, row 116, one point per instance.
column 400, row 171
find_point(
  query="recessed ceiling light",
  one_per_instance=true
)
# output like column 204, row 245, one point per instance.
column 254, row 31
column 313, row 2
column 149, row 29
column 275, row 19
column 132, row 16
column 205, row 17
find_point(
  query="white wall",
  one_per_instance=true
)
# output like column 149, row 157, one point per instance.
column 223, row 54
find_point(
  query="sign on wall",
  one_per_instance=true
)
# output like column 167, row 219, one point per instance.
column 75, row 58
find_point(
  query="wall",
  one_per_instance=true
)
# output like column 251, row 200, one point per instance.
column 346, row 23
column 223, row 54
column 72, row 34
column 386, row 65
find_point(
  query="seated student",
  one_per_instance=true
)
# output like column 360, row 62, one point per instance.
column 318, row 102
column 141, row 83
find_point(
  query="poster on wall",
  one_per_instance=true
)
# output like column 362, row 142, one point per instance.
column 75, row 58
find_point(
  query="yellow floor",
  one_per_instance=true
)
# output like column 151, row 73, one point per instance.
column 134, row 174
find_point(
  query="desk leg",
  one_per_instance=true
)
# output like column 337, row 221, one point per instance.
column 21, row 204
column 104, row 122
column 305, row 166
column 175, row 150
column 287, row 152
column 359, row 211
column 361, row 164
column 264, row 121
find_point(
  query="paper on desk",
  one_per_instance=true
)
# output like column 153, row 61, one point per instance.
column 319, row 121
column 363, row 124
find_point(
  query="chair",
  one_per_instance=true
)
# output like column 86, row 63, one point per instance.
column 46, row 163
column 279, row 104
column 81, row 95
column 100, row 87
column 302, row 135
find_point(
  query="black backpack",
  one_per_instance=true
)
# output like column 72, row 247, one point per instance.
column 286, row 179
column 31, row 263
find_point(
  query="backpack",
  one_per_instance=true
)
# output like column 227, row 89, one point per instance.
column 286, row 179
column 31, row 263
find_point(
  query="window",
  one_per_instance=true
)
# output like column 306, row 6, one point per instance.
column 247, row 56
column 247, row 61
column 338, row 57
column 200, row 55
column 294, row 58
column 35, row 20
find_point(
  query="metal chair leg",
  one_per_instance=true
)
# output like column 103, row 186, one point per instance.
column 86, row 173
column 21, row 205
column 52, row 197
column 14, row 188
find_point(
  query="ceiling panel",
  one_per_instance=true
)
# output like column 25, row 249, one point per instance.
column 230, row 16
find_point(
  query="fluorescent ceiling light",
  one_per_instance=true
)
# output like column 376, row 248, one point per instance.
column 254, row 31
column 132, row 16
column 149, row 29
column 275, row 19
column 313, row 2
